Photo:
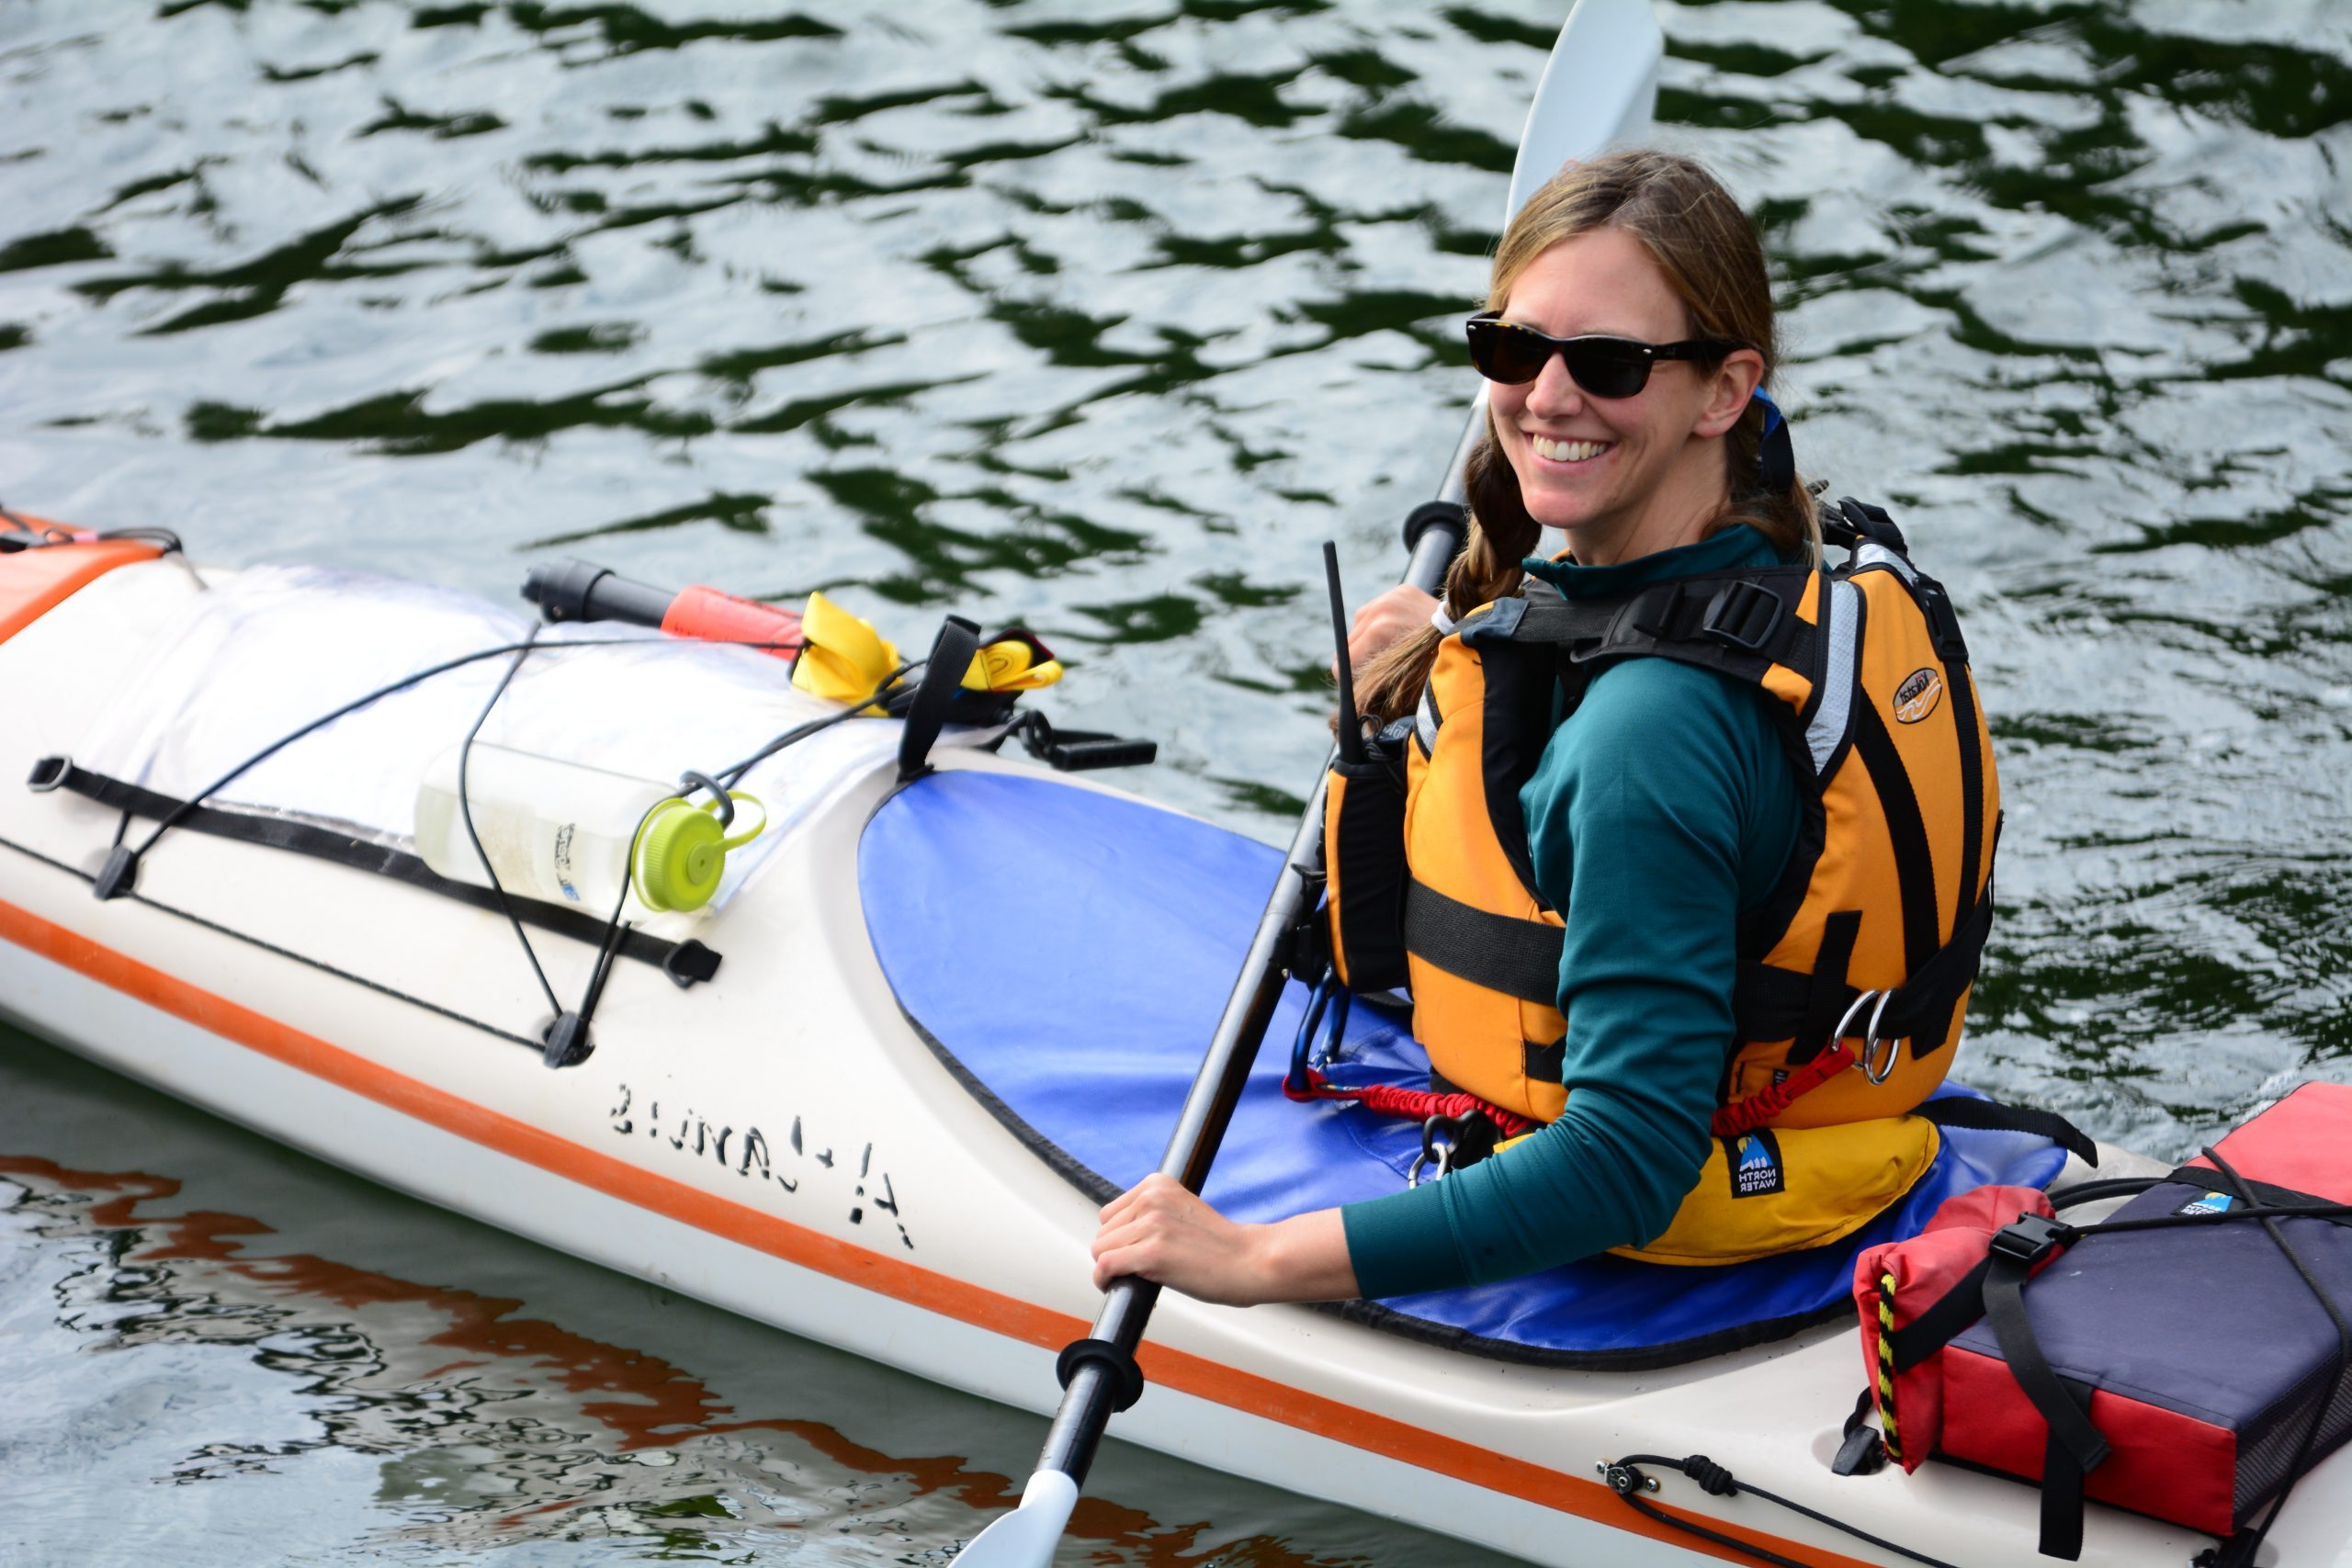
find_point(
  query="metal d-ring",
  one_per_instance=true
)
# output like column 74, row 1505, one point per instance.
column 1878, row 1070
column 1434, row 1153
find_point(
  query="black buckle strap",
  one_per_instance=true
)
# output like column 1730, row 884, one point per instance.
column 952, row 652
column 1992, row 1116
column 1745, row 616
column 2076, row 1446
column 2028, row 1239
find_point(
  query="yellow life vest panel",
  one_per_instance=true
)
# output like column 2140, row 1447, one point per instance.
column 1872, row 935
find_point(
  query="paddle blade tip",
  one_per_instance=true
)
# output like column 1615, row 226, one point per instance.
column 1026, row 1537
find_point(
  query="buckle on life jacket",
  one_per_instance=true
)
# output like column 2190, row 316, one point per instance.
column 1744, row 616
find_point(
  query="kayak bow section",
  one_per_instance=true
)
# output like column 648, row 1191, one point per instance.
column 1064, row 952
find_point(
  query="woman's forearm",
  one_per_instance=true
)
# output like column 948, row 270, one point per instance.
column 1159, row 1230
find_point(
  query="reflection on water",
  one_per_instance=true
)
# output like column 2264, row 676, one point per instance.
column 1097, row 317
column 202, row 1332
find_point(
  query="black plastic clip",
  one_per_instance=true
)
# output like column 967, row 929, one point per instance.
column 1119, row 1366
column 1862, row 1454
column 689, row 963
column 567, row 1041
column 119, row 875
column 2030, row 1238
column 1744, row 616
column 49, row 773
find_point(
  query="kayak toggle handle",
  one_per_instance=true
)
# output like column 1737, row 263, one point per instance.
column 1080, row 750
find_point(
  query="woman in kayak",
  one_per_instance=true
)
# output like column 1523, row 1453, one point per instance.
column 1667, row 800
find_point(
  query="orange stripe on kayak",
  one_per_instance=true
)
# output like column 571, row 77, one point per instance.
column 874, row 1272
column 33, row 582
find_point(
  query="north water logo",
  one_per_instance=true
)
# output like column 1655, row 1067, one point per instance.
column 1916, row 697
column 2210, row 1204
column 1754, row 1160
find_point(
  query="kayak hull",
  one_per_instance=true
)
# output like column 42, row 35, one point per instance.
column 780, row 1141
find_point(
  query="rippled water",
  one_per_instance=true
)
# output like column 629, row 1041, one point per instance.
column 1099, row 317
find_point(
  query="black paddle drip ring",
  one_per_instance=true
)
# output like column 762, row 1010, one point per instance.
column 1126, row 1377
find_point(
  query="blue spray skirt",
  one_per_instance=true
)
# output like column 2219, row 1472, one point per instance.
column 1068, row 952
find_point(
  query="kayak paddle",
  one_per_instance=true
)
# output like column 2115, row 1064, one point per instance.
column 1599, row 86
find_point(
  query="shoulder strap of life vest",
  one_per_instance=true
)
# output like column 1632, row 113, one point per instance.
column 1740, row 622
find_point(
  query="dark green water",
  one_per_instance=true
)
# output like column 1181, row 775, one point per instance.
column 1099, row 317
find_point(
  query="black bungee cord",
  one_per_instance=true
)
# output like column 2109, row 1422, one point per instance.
column 186, row 807
column 21, row 535
column 1625, row 1478
column 730, row 774
column 566, row 1038
column 465, row 809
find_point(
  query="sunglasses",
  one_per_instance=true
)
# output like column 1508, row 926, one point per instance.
column 1604, row 367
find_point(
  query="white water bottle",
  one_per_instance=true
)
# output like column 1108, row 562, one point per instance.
column 554, row 830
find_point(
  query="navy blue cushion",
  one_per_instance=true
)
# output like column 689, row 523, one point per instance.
column 1067, row 953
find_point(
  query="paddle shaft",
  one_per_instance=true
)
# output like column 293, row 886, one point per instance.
column 1088, row 1399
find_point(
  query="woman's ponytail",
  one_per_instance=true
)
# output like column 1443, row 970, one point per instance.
column 1502, row 536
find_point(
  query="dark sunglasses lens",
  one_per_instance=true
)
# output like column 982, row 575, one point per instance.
column 1608, row 367
column 1506, row 355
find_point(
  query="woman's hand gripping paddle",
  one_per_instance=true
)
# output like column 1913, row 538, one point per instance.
column 1599, row 87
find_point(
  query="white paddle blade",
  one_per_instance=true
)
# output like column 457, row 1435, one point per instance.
column 1600, row 86
column 1026, row 1537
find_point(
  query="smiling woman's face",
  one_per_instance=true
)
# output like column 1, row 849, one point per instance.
column 1623, row 475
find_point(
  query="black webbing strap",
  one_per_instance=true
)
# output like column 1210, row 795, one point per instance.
column 1735, row 622
column 2076, row 1446
column 1944, row 1321
column 1972, row 784
column 1825, row 996
column 1992, row 1116
column 1914, row 867
column 1519, row 958
column 1544, row 1064
column 685, row 962
column 952, row 652
column 1783, row 1004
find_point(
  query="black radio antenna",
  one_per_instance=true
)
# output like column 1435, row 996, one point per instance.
column 1351, row 735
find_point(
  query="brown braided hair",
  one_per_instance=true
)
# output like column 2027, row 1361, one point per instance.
column 1711, row 258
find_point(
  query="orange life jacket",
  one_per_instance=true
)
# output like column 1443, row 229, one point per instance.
column 1872, row 935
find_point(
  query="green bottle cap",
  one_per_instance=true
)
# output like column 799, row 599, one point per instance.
column 681, row 852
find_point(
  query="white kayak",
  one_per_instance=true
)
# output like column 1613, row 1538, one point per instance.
column 804, row 1136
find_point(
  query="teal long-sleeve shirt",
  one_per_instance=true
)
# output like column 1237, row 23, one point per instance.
column 1661, row 810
